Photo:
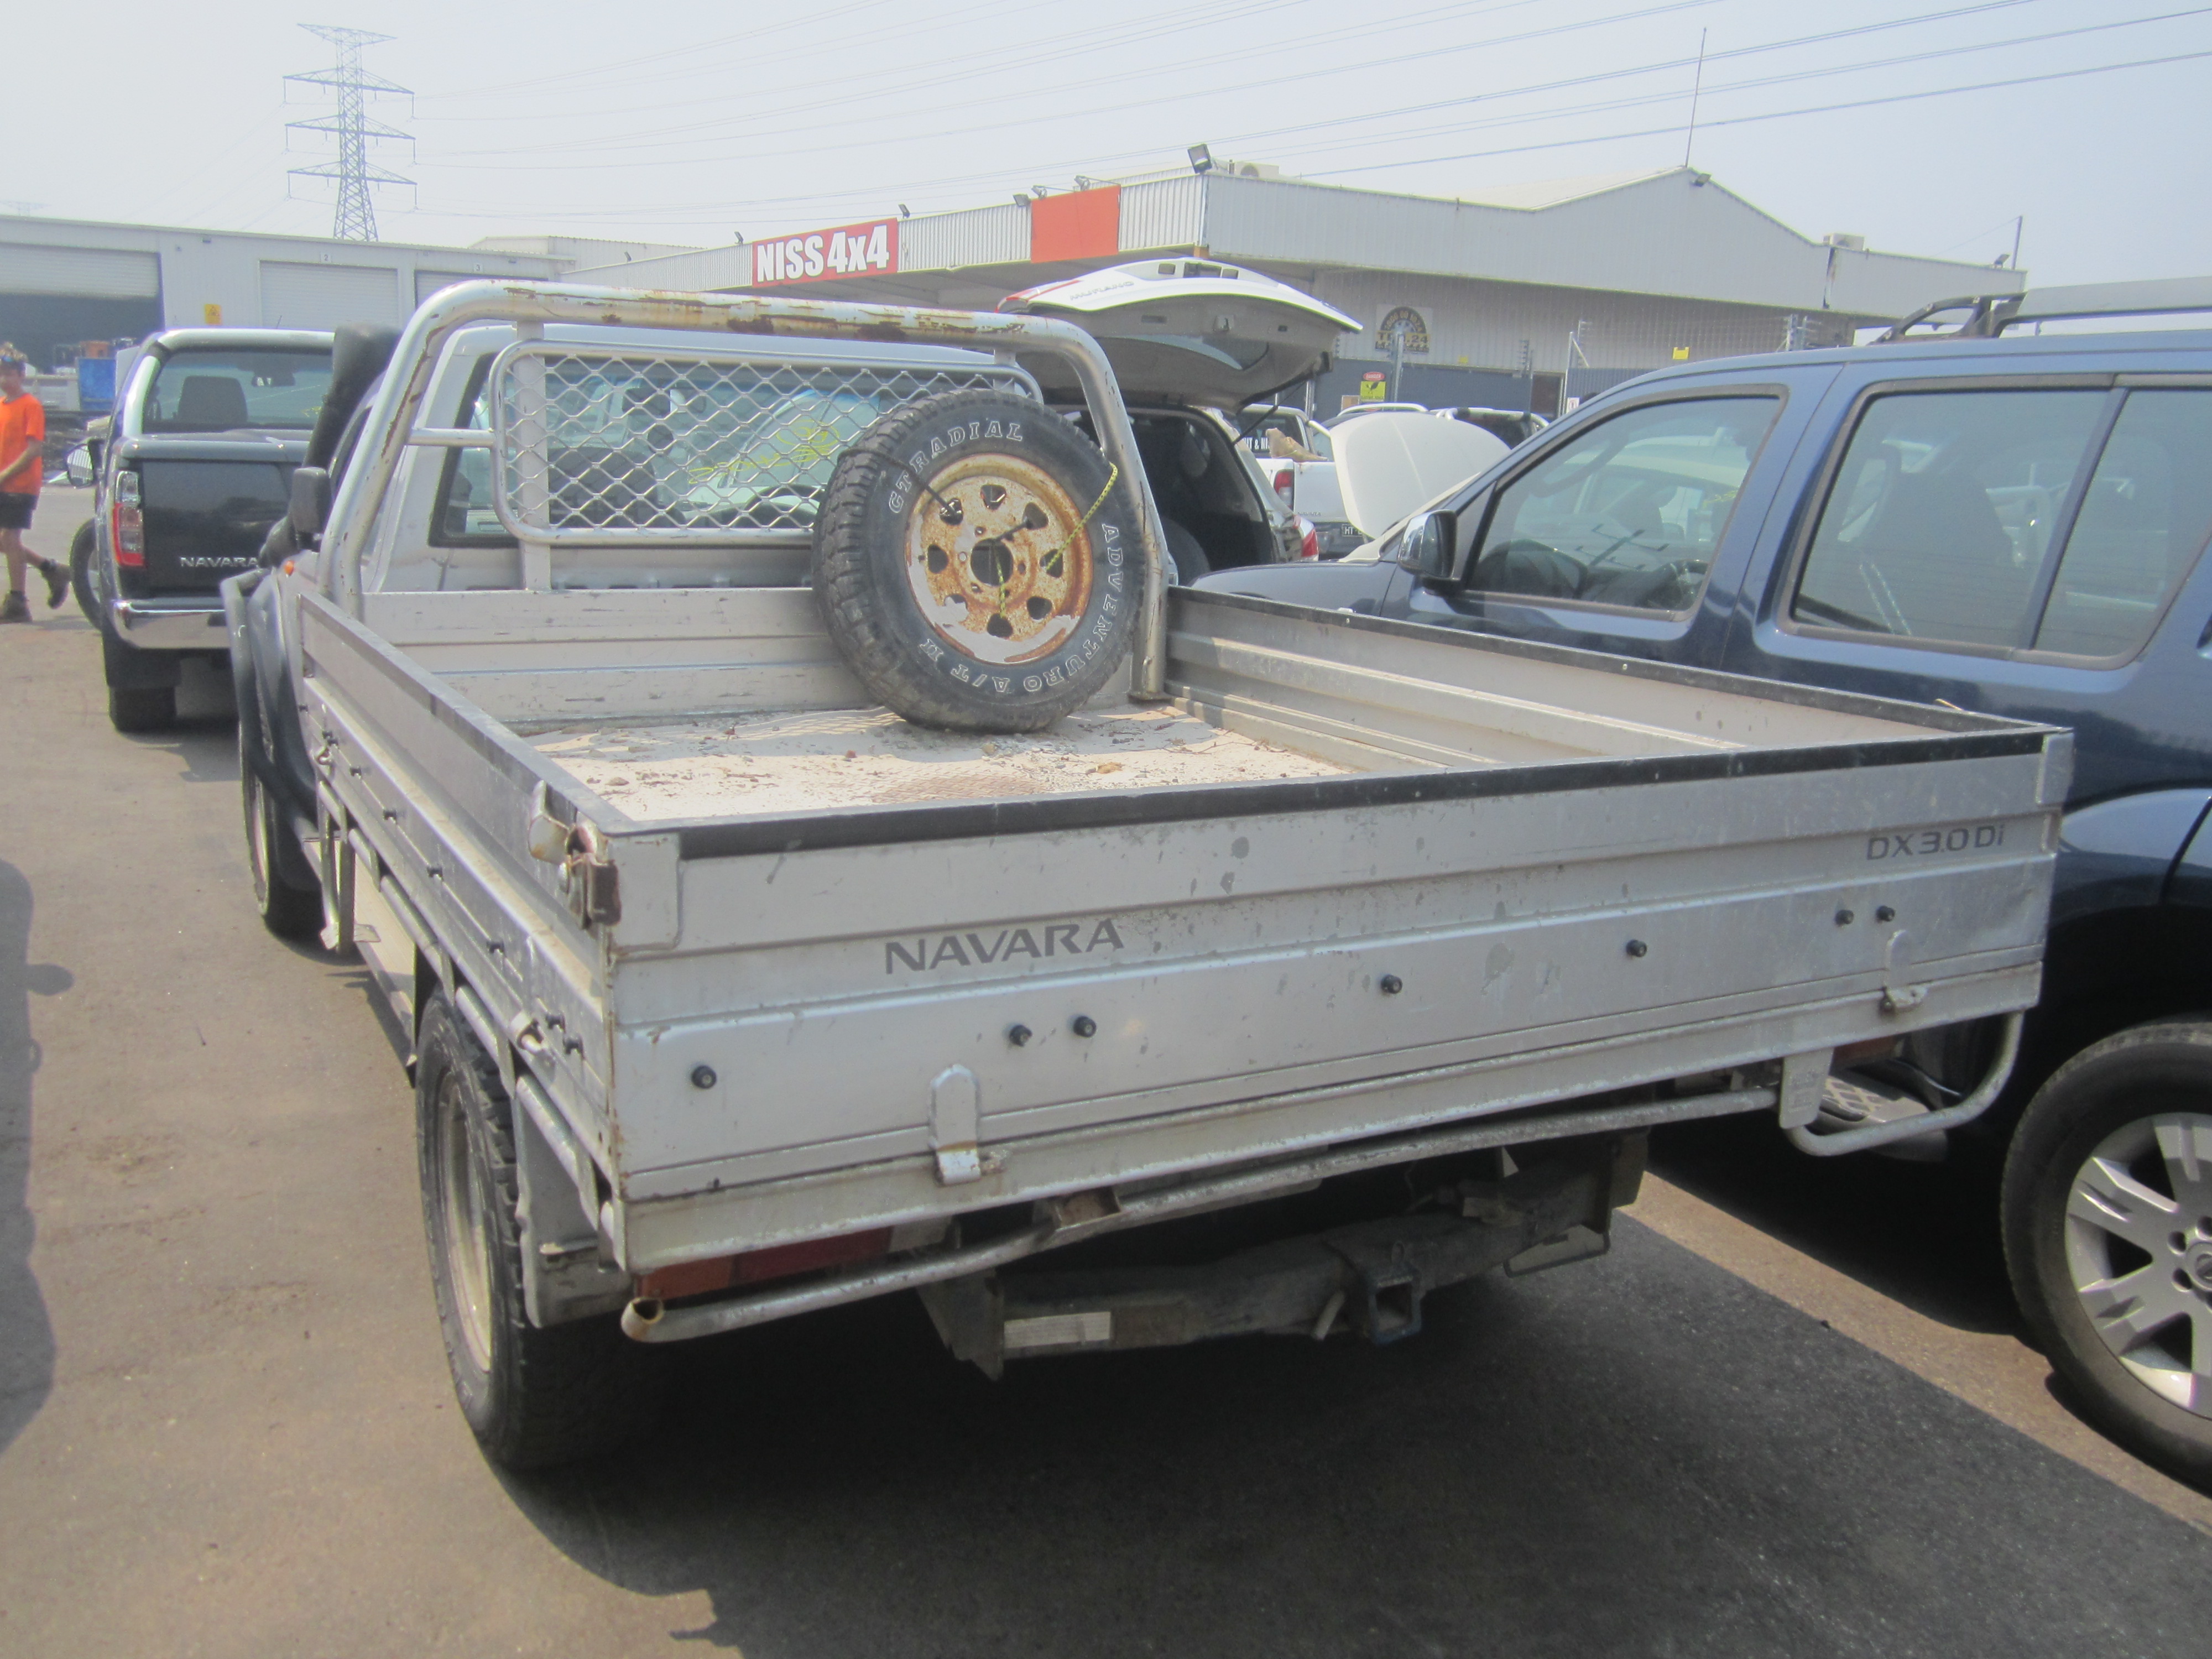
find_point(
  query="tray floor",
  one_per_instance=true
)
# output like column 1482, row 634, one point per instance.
column 839, row 758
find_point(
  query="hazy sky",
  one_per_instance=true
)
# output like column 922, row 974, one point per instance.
column 686, row 122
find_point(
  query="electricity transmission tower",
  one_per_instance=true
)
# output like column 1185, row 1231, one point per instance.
column 355, row 219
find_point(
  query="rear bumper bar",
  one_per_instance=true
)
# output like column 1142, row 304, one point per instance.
column 1065, row 1221
column 171, row 624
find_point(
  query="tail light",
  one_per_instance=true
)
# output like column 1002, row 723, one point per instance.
column 126, row 525
column 1308, row 539
column 724, row 1272
column 1286, row 484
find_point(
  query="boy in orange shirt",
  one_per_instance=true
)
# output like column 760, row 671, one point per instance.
column 22, row 470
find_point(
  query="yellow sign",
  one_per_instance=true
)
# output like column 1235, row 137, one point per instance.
column 1372, row 386
column 1681, row 353
column 211, row 315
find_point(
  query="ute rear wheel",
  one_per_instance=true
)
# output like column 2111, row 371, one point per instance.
column 2108, row 1235
column 534, row 1397
column 976, row 563
column 84, row 547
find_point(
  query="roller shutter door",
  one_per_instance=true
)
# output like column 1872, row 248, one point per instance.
column 323, row 296
column 427, row 282
column 80, row 273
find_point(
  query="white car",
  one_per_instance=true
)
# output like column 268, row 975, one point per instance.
column 1408, row 456
column 1194, row 344
column 1360, row 410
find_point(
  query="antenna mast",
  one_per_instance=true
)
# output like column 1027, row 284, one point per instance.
column 356, row 218
column 1697, row 87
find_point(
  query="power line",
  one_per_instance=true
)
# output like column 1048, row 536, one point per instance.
column 1304, row 128
column 1563, row 111
column 817, row 110
column 974, row 62
column 1779, row 114
column 1707, row 123
column 354, row 218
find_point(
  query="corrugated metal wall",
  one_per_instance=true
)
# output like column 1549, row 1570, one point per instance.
column 323, row 296
column 1165, row 212
column 1664, row 235
column 1485, row 325
column 981, row 236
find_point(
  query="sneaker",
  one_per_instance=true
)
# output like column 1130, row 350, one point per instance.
column 15, row 608
column 57, row 582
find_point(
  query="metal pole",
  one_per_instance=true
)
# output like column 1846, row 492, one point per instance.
column 1696, row 88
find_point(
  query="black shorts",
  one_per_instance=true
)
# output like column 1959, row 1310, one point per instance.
column 16, row 509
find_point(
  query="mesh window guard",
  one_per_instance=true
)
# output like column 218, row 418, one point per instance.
column 608, row 446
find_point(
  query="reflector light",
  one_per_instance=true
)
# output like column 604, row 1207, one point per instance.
column 722, row 1272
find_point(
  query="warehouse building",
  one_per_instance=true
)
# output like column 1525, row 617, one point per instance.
column 65, row 282
column 1524, row 296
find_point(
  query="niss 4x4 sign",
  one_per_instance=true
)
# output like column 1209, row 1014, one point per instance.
column 823, row 256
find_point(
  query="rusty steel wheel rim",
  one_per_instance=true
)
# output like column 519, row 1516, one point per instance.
column 468, row 1227
column 260, row 860
column 999, row 560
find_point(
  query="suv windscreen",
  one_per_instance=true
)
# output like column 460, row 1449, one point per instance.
column 1629, row 511
column 1947, row 521
column 236, row 388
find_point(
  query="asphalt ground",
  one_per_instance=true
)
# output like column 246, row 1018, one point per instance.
column 1788, row 1414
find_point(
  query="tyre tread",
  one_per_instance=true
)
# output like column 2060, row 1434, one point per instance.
column 570, row 1391
column 845, row 584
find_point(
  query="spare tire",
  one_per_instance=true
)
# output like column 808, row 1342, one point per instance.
column 977, row 563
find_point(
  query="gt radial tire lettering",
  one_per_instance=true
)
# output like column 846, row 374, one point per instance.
column 969, row 565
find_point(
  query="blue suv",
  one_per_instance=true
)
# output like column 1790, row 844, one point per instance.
column 2008, row 522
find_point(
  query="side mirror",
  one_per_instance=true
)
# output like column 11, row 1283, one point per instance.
column 311, row 501
column 1428, row 543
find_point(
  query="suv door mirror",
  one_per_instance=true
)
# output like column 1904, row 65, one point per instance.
column 311, row 501
column 1427, row 545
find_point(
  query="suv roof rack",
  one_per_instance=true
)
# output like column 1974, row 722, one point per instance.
column 1991, row 314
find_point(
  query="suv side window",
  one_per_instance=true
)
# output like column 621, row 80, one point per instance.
column 1940, row 519
column 1629, row 511
column 1947, row 522
column 2146, row 516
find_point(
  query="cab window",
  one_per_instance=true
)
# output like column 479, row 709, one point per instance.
column 236, row 389
column 1627, row 514
column 463, row 516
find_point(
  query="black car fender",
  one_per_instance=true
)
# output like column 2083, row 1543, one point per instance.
column 269, row 736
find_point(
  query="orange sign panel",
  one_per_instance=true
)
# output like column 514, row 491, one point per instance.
column 1083, row 224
